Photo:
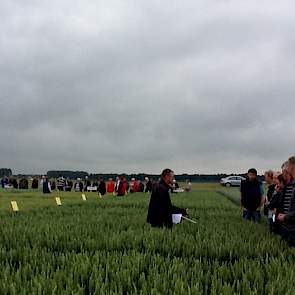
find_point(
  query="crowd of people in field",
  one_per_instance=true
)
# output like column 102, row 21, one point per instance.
column 278, row 203
column 121, row 186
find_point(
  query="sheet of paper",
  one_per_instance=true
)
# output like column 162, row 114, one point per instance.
column 176, row 218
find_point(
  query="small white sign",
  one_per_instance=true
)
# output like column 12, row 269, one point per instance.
column 178, row 190
column 92, row 188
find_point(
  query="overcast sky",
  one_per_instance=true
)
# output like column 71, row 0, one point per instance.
column 138, row 86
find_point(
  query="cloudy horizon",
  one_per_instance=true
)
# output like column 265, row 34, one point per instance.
column 138, row 86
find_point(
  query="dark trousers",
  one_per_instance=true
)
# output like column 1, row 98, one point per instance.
column 270, row 224
column 254, row 216
column 288, row 236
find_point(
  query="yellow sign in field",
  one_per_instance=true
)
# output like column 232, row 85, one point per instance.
column 14, row 206
column 84, row 197
column 58, row 201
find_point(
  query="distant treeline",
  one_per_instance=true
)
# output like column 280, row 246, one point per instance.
column 5, row 172
column 140, row 176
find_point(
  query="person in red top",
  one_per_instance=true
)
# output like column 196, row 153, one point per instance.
column 110, row 186
column 135, row 186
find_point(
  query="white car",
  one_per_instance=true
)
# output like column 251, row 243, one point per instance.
column 232, row 181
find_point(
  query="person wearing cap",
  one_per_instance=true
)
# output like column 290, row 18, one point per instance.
column 160, row 207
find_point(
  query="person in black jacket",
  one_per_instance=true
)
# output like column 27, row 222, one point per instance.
column 102, row 187
column 251, row 196
column 46, row 186
column 148, row 185
column 160, row 208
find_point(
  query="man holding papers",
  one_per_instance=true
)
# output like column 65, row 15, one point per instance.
column 160, row 208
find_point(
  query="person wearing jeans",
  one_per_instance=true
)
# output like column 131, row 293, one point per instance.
column 252, row 215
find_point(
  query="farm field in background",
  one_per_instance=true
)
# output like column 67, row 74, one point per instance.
column 104, row 246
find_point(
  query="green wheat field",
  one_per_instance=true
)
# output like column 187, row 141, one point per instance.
column 105, row 246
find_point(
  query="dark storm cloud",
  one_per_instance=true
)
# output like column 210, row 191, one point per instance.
column 199, row 86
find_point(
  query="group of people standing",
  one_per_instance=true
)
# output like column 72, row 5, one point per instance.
column 278, row 203
column 122, row 186
column 119, row 187
column 12, row 182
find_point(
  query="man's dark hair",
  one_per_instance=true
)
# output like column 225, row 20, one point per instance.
column 166, row 172
column 253, row 170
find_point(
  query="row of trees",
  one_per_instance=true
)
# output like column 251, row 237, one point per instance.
column 93, row 176
column 5, row 172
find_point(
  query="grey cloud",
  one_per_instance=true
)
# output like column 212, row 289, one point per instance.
column 200, row 86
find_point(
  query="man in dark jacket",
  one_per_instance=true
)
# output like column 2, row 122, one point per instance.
column 46, row 186
column 287, row 218
column 148, row 185
column 160, row 208
column 102, row 187
column 251, row 196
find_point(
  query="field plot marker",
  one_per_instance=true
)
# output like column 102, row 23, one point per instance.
column 58, row 201
column 100, row 196
column 14, row 206
column 84, row 197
